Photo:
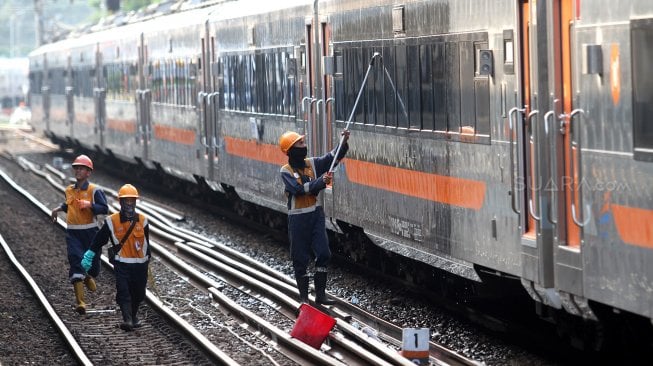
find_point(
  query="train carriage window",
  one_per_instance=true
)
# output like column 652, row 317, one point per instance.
column 241, row 83
column 481, row 95
column 234, row 83
column 174, row 82
column 356, row 75
column 182, row 81
column 257, row 83
column 57, row 81
column 261, row 70
column 226, row 82
column 453, row 86
column 250, row 95
column 389, row 86
column 165, row 87
column 426, row 82
column 161, row 67
column 349, row 79
column 170, row 82
column 352, row 78
column 176, row 79
column 467, row 72
column 284, row 81
column 378, row 77
column 339, row 93
column 278, row 82
column 641, row 33
column 438, row 67
column 192, row 81
column 35, row 79
column 292, row 95
column 155, row 82
column 258, row 87
column 269, row 62
column 414, row 99
column 402, row 78
column 367, row 102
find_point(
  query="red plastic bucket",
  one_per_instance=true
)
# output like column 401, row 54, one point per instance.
column 312, row 326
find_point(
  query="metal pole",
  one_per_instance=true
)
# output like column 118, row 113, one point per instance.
column 317, row 81
column 38, row 20
column 351, row 115
column 12, row 41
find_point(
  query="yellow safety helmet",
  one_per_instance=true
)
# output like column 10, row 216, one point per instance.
column 288, row 139
column 128, row 191
column 83, row 160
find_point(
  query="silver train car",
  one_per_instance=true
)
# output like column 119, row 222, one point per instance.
column 504, row 138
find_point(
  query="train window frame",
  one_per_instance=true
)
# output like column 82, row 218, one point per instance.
column 444, row 83
column 257, row 82
column 641, row 31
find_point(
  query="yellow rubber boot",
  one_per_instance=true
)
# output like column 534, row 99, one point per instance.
column 79, row 296
column 90, row 283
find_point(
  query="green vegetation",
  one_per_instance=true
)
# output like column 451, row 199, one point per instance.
column 17, row 20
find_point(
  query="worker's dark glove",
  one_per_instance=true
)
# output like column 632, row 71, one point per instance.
column 88, row 260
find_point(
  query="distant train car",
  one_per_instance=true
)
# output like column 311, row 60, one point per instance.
column 489, row 138
column 13, row 83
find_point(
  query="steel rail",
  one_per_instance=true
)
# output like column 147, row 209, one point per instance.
column 192, row 334
column 69, row 339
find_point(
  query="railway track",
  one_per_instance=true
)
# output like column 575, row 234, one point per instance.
column 212, row 266
column 94, row 339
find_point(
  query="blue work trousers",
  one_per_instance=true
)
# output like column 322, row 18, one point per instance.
column 308, row 238
column 131, row 280
column 77, row 243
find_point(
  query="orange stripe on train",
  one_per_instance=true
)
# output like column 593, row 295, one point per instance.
column 121, row 125
column 450, row 190
column 454, row 191
column 634, row 225
column 255, row 150
column 178, row 135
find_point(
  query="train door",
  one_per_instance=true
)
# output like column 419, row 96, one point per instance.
column 532, row 185
column 99, row 99
column 325, row 103
column 45, row 93
column 309, row 99
column 70, row 93
column 213, row 101
column 204, row 106
column 565, row 155
column 143, row 101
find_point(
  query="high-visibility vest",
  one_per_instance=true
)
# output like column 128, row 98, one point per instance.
column 303, row 203
column 77, row 218
column 134, row 249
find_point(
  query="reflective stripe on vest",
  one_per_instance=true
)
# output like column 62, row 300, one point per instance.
column 134, row 249
column 307, row 202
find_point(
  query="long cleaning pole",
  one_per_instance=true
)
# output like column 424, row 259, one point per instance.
column 351, row 115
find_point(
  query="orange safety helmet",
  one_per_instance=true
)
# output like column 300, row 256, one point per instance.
column 128, row 191
column 288, row 139
column 83, row 160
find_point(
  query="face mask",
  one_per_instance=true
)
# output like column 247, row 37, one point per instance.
column 297, row 153
column 128, row 209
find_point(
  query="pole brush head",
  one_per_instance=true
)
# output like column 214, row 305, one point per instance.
column 374, row 56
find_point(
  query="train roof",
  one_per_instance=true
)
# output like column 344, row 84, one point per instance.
column 241, row 8
column 194, row 16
